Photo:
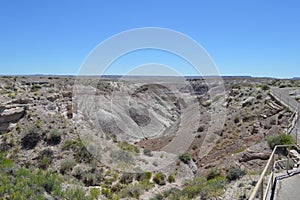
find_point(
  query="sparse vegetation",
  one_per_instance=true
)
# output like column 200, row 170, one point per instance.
column 24, row 184
column 280, row 139
column 213, row 173
column 35, row 88
column 125, row 146
column 126, row 178
column 264, row 87
column 133, row 191
column 234, row 174
column 148, row 152
column 185, row 158
column 236, row 120
column 200, row 129
column 159, row 179
column 171, row 178
column 66, row 165
column 198, row 187
column 31, row 138
column 53, row 137
column 80, row 152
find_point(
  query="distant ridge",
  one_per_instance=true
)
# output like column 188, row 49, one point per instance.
column 139, row 76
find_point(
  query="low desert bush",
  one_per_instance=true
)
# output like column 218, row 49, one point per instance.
column 185, row 158
column 234, row 174
column 159, row 179
column 53, row 137
column 66, row 165
column 280, row 139
column 31, row 137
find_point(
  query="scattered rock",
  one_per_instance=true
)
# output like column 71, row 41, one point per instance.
column 255, row 128
column 248, row 102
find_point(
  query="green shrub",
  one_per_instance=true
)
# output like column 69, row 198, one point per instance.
column 214, row 188
column 148, row 175
column 148, row 152
column 279, row 139
column 193, row 188
column 89, row 179
column 94, row 192
column 259, row 97
column 185, row 158
column 234, row 174
column 205, row 189
column 107, row 193
column 75, row 194
column 213, row 173
column 53, row 137
column 19, row 128
column 126, row 178
column 155, row 163
column 77, row 146
column 265, row 87
column 31, row 138
column 159, row 179
column 273, row 121
column 267, row 126
column 35, row 88
column 66, row 165
column 158, row 197
column 99, row 176
column 171, row 179
column 117, row 187
column 236, row 120
column 282, row 85
column 77, row 172
column 125, row 146
column 133, row 191
column 200, row 129
column 122, row 156
column 45, row 162
column 68, row 145
column 140, row 176
column 23, row 184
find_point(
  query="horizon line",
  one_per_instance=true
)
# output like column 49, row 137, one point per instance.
column 119, row 75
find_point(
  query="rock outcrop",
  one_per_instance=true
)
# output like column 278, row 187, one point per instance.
column 250, row 155
column 10, row 114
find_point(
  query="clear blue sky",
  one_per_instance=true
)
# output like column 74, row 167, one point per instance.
column 249, row 37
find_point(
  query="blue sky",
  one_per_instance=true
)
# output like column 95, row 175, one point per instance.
column 249, row 37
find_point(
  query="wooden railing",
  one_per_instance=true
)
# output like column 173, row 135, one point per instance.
column 259, row 190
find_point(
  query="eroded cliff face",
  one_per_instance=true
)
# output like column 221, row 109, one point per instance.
column 144, row 112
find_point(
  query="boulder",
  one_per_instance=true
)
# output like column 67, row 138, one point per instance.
column 53, row 97
column 67, row 94
column 22, row 101
column 250, row 155
column 10, row 114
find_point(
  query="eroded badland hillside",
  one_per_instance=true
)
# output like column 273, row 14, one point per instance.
column 85, row 138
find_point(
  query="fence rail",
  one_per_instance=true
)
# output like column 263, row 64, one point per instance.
column 269, row 169
column 291, row 104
